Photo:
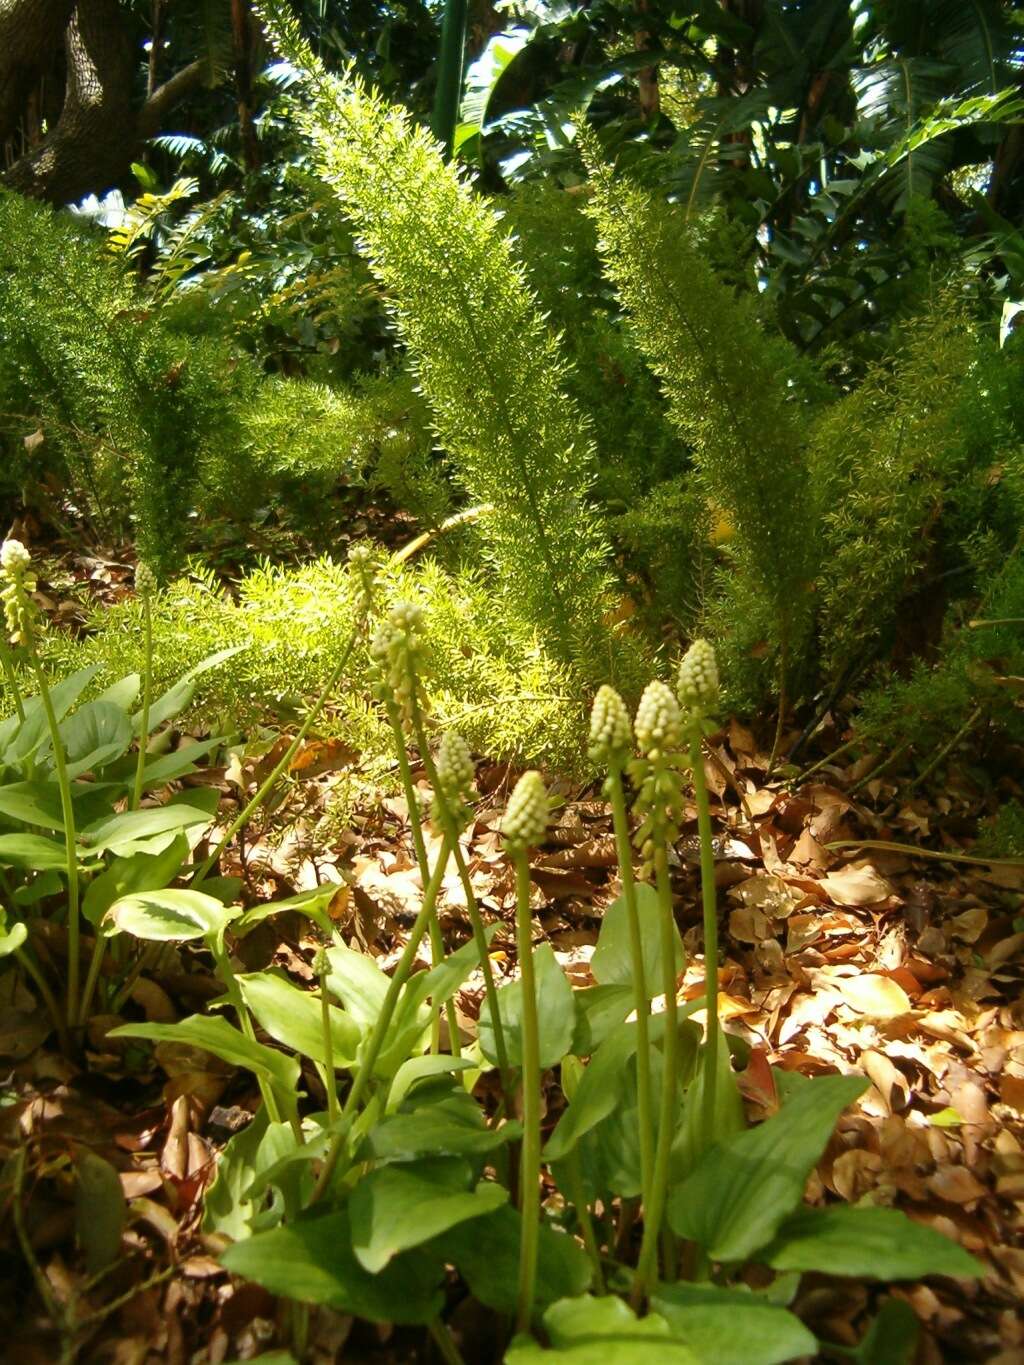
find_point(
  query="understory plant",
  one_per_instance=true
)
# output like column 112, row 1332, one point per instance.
column 368, row 1194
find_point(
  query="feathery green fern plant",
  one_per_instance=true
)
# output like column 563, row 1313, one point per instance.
column 731, row 393
column 490, row 370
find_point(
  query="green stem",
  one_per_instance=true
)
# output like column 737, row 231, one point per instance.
column 529, row 1169
column 99, row 949
column 646, row 1271
column 364, row 1075
column 709, row 901
column 947, row 749
column 451, row 56
column 880, row 768
column 28, row 965
column 330, row 1079
column 227, row 976
column 641, row 999
column 282, row 765
column 68, row 814
column 450, row 828
column 829, row 758
column 574, row 1182
column 147, row 697
column 420, row 847
column 445, row 1342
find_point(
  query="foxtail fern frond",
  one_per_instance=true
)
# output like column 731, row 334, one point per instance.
column 726, row 384
column 488, row 365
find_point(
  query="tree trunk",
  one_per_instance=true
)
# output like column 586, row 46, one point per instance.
column 31, row 33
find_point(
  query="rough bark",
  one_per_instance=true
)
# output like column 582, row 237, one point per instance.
column 100, row 127
column 30, row 35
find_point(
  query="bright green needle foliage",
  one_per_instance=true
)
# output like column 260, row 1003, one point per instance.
column 726, row 383
column 490, row 369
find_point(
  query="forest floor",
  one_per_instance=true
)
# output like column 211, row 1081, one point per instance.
column 856, row 959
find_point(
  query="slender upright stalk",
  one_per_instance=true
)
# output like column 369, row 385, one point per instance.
column 709, row 901
column 147, row 696
column 641, row 1000
column 7, row 660
column 529, row 1169
column 576, row 1192
column 400, row 976
column 451, row 57
column 99, row 949
column 420, row 847
column 70, row 836
column 646, row 1271
column 27, row 964
column 330, row 1079
column 227, row 975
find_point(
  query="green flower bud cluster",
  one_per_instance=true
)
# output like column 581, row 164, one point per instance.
column 363, row 564
column 455, row 790
column 526, row 815
column 18, row 582
column 659, row 722
column 145, row 579
column 611, row 734
column 697, row 682
column 659, row 798
column 396, row 651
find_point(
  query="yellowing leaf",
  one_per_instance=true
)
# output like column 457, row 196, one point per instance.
column 875, row 995
column 858, row 884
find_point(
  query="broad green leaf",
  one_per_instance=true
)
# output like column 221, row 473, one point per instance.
column 358, row 983
column 227, row 1207
column 592, row 1331
column 41, row 886
column 126, row 876
column 556, row 1009
column 129, row 832
column 441, row 982
column 171, row 916
column 729, row 1117
column 95, row 735
column 599, row 1011
column 18, row 740
column 313, row 904
column 396, row 1208
column 732, row 1326
column 417, row 1069
column 892, row 1337
column 32, row 803
column 100, row 1210
column 214, row 1034
column 179, row 763
column 882, row 1244
column 31, row 852
column 177, row 697
column 612, row 963
column 11, row 938
column 448, row 1124
column 124, row 693
column 735, row 1201
column 486, row 1254
column 294, row 1018
column 311, row 1261
column 598, row 1093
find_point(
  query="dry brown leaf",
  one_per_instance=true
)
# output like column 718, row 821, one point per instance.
column 888, row 1080
column 877, row 996
column 771, row 895
column 955, row 1184
column 857, row 884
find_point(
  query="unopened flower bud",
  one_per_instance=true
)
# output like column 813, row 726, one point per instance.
column 455, row 792
column 526, row 815
column 611, row 734
column 14, row 558
column 18, row 582
column 659, row 722
column 145, row 579
column 697, row 684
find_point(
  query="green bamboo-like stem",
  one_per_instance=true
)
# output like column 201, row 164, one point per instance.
column 947, row 748
column 641, row 999
column 529, row 1167
column 450, row 828
column 420, row 847
column 576, row 1192
column 243, row 818
column 147, row 697
column 830, row 757
column 68, row 815
column 400, row 976
column 330, row 1079
column 27, row 964
column 646, row 1271
column 709, row 901
column 451, row 57
column 880, row 768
